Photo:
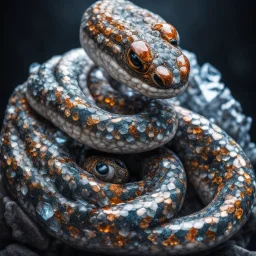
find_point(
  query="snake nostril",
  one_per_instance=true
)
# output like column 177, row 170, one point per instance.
column 174, row 42
column 158, row 80
column 163, row 77
column 184, row 66
column 184, row 74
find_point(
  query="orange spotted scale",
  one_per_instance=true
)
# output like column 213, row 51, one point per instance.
column 88, row 201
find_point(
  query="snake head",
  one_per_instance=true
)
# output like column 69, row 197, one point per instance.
column 106, row 169
column 160, row 65
column 136, row 47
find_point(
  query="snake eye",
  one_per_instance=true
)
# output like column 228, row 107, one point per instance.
column 135, row 60
column 102, row 169
column 104, row 172
column 174, row 42
column 139, row 57
column 135, row 63
column 106, row 169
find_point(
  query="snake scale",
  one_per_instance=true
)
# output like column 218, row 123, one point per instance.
column 80, row 101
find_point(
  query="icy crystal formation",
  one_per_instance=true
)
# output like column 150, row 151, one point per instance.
column 208, row 96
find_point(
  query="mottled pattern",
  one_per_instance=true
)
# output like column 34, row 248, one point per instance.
column 54, row 92
column 207, row 95
column 64, row 192
column 110, row 29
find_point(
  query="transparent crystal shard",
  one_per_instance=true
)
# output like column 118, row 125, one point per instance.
column 210, row 73
column 208, row 96
column 210, row 91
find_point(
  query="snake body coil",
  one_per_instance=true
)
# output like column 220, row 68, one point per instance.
column 86, row 201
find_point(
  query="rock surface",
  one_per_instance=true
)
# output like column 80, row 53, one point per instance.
column 24, row 230
column 5, row 231
column 17, row 250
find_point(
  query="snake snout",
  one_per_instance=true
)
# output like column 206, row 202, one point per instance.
column 165, row 77
column 184, row 68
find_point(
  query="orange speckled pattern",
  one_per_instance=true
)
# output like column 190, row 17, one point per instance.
column 91, row 202
column 139, row 43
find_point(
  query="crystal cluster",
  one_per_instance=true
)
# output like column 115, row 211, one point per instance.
column 208, row 96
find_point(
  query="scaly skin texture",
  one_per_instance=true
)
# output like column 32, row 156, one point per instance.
column 84, row 201
column 110, row 30
column 60, row 99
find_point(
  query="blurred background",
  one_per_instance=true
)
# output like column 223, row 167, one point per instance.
column 217, row 31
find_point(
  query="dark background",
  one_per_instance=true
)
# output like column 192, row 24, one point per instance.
column 218, row 31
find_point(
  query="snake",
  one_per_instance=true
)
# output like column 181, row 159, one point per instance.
column 68, row 127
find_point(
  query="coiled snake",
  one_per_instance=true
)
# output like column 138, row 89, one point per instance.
column 87, row 200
